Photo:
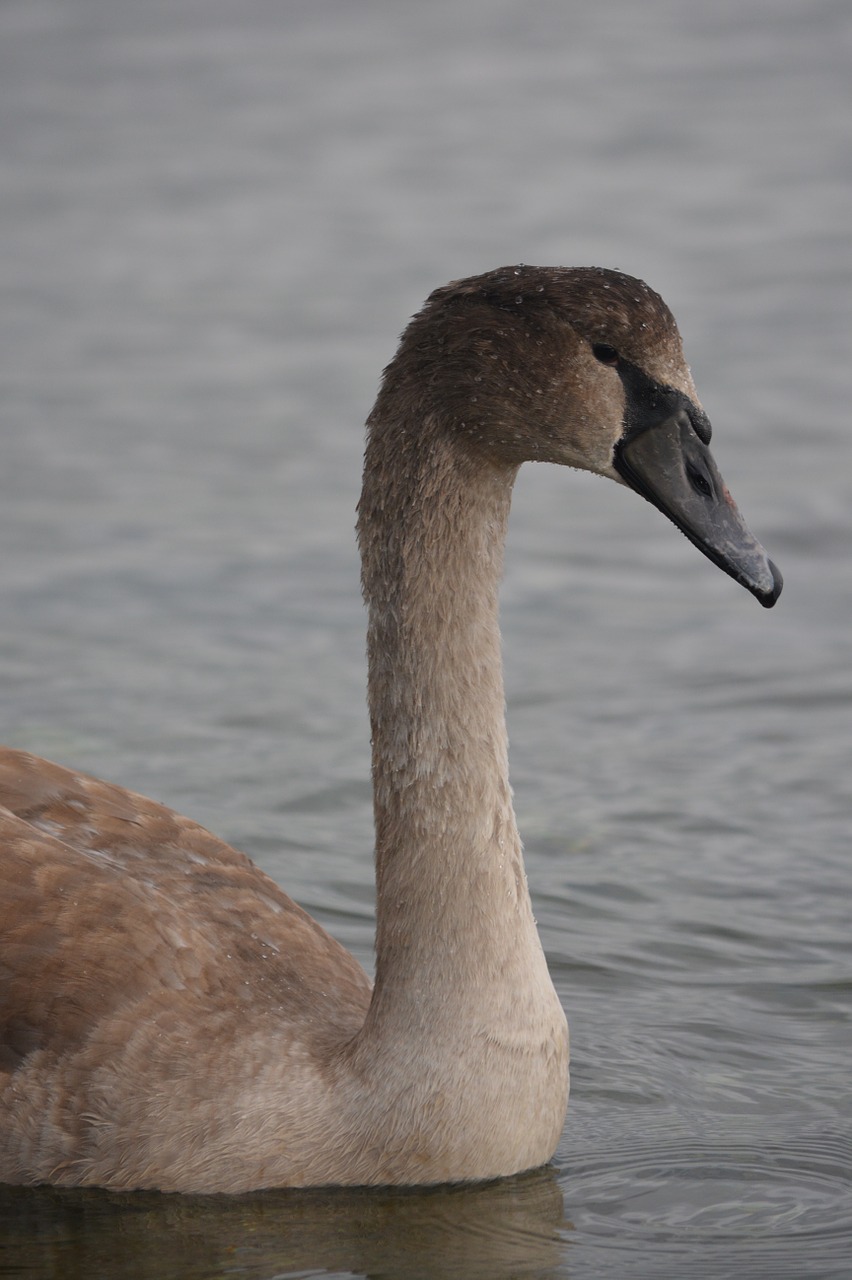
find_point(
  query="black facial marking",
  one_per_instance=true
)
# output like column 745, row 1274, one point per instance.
column 648, row 401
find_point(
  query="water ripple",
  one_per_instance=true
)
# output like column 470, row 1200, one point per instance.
column 761, row 1203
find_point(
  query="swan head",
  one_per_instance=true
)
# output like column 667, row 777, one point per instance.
column 583, row 367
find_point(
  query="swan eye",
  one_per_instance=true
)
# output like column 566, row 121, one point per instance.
column 606, row 355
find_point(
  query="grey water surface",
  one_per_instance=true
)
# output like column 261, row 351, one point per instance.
column 216, row 218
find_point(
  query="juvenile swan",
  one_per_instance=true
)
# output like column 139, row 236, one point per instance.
column 168, row 1017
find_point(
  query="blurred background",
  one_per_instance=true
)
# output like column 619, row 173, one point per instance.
column 216, row 220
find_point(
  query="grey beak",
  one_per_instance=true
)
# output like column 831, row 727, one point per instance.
column 667, row 462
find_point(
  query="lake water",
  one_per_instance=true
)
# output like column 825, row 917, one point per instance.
column 216, row 220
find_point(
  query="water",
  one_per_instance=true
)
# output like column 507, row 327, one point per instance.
column 216, row 220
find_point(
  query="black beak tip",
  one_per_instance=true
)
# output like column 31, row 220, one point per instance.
column 768, row 598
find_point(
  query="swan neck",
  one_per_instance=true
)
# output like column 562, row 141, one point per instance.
column 451, row 890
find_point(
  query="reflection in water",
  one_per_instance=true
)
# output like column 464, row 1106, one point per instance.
column 502, row 1229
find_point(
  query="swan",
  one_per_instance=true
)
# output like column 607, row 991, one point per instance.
column 169, row 1018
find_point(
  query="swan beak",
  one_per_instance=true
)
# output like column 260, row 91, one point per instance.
column 667, row 463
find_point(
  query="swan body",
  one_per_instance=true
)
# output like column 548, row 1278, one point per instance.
column 169, row 1018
